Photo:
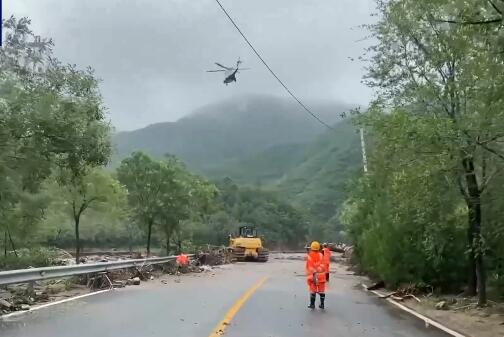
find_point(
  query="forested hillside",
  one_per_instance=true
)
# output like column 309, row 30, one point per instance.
column 228, row 130
column 309, row 169
column 318, row 181
column 311, row 176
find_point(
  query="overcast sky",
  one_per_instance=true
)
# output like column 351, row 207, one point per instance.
column 152, row 54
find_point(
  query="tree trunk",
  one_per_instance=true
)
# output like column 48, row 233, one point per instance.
column 130, row 241
column 5, row 243
column 149, row 233
column 168, row 236
column 179, row 245
column 12, row 242
column 471, row 280
column 77, row 238
column 474, row 208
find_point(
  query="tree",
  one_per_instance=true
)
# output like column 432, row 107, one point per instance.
column 280, row 223
column 51, row 119
column 192, row 197
column 96, row 190
column 147, row 181
column 405, row 217
column 446, row 73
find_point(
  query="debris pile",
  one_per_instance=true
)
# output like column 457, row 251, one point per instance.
column 62, row 257
column 22, row 296
column 214, row 256
column 109, row 256
column 343, row 248
column 410, row 291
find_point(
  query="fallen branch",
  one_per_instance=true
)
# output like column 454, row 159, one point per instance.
column 413, row 297
column 388, row 295
column 464, row 307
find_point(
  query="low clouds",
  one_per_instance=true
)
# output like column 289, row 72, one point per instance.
column 152, row 54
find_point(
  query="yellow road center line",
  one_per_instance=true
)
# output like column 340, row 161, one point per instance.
column 221, row 327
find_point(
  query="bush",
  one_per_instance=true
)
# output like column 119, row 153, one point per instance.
column 406, row 219
column 34, row 257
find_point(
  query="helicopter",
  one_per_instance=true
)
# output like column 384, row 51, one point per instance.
column 229, row 72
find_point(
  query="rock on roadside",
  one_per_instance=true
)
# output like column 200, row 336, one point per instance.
column 133, row 281
column 5, row 304
column 442, row 305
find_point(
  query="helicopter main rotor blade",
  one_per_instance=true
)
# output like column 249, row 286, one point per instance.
column 239, row 69
column 214, row 71
column 220, row 65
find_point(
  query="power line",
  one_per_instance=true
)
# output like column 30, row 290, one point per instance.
column 271, row 70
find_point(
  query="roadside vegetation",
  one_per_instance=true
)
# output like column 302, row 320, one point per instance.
column 430, row 209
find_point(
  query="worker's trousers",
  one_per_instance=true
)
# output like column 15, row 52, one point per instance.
column 316, row 288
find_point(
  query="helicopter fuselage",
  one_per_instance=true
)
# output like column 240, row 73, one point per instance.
column 230, row 78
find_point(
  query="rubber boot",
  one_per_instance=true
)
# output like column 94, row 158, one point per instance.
column 312, row 301
column 322, row 300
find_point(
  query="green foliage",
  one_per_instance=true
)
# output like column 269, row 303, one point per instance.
column 97, row 190
column 265, row 168
column 437, row 120
column 317, row 183
column 406, row 217
column 34, row 257
column 51, row 120
column 163, row 193
column 311, row 176
column 281, row 224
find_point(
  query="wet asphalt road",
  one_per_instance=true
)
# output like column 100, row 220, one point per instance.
column 199, row 302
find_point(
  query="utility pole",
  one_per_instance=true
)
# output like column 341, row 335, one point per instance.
column 363, row 147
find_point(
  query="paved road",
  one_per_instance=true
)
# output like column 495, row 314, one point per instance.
column 199, row 302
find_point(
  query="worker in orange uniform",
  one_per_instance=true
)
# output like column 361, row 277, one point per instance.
column 327, row 260
column 182, row 261
column 316, row 275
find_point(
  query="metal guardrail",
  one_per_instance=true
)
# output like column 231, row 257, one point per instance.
column 47, row 273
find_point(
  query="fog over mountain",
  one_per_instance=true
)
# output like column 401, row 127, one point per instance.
column 231, row 129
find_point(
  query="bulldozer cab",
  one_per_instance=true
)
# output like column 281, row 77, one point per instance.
column 247, row 232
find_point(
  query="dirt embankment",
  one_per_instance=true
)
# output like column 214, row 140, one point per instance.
column 457, row 312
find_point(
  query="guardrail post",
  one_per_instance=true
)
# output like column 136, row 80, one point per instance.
column 30, row 291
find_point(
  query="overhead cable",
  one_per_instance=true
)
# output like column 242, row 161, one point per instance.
column 271, row 70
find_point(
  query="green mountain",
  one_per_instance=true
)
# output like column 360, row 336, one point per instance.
column 312, row 175
column 319, row 181
column 262, row 141
column 229, row 130
column 265, row 167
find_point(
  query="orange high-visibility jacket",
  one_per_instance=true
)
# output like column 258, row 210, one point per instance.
column 327, row 258
column 315, row 264
column 182, row 260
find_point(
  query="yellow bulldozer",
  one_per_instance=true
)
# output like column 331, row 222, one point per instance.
column 247, row 246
